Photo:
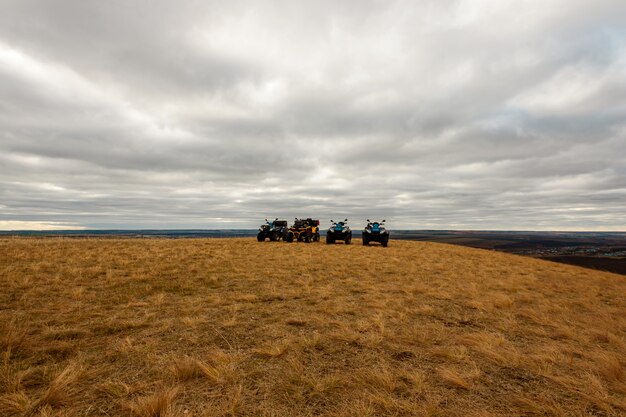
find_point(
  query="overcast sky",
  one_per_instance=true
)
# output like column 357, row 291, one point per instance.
column 490, row 114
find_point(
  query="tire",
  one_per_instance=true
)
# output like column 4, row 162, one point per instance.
column 348, row 239
column 289, row 237
column 307, row 237
column 329, row 240
column 366, row 241
column 316, row 238
column 384, row 241
column 260, row 237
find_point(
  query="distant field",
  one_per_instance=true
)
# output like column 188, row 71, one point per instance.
column 232, row 327
column 604, row 251
column 616, row 265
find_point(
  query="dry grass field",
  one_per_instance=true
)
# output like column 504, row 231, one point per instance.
column 232, row 327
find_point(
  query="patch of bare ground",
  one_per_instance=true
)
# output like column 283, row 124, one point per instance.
column 233, row 327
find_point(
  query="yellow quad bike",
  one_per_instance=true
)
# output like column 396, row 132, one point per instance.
column 304, row 230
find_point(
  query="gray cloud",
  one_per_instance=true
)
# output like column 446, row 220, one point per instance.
column 462, row 114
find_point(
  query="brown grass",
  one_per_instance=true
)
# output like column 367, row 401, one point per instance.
column 159, row 404
column 232, row 327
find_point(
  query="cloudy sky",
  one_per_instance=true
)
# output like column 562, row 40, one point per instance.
column 487, row 114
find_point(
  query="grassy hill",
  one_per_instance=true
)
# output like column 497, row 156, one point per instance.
column 226, row 327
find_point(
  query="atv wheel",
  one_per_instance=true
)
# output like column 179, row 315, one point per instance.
column 348, row 240
column 289, row 237
column 316, row 238
column 260, row 237
column 384, row 241
column 307, row 237
column 329, row 240
column 366, row 242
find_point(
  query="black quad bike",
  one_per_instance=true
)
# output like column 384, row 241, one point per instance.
column 375, row 232
column 304, row 230
column 339, row 231
column 274, row 230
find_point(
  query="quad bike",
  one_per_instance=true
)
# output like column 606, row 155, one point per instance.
column 339, row 231
column 375, row 232
column 274, row 230
column 304, row 230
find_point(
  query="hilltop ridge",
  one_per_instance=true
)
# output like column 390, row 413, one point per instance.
column 209, row 327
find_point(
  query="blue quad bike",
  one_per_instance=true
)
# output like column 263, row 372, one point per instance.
column 375, row 232
column 339, row 231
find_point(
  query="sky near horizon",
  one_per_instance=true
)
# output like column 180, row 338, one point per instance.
column 488, row 114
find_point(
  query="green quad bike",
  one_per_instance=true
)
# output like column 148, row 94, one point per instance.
column 274, row 230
